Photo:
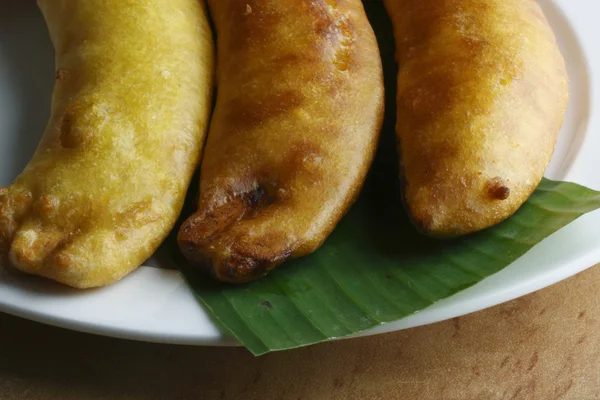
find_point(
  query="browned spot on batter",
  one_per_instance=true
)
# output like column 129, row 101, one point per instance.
column 305, row 156
column 251, row 31
column 342, row 60
column 304, row 160
column 62, row 74
column 336, row 31
column 15, row 204
column 12, row 208
column 323, row 19
column 296, row 60
column 138, row 215
column 62, row 260
column 430, row 168
column 31, row 253
column 344, row 56
column 48, row 205
column 423, row 222
column 253, row 258
column 242, row 269
column 203, row 228
column 268, row 247
column 72, row 136
column 21, row 199
column 497, row 189
column 475, row 44
column 58, row 255
column 420, row 23
column 206, row 235
column 247, row 112
column 435, row 93
column 8, row 225
column 263, row 195
column 120, row 234
column 194, row 253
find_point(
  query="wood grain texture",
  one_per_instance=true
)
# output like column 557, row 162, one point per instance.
column 542, row 346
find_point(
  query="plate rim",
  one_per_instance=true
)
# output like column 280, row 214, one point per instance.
column 580, row 171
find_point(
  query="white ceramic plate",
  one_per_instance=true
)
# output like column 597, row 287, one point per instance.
column 156, row 305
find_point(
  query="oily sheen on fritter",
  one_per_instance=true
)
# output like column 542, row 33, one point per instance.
column 298, row 112
column 482, row 92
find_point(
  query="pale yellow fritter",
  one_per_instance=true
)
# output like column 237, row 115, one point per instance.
column 129, row 113
column 298, row 113
column 482, row 91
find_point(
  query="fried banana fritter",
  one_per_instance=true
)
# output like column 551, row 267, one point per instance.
column 482, row 92
column 298, row 113
column 129, row 113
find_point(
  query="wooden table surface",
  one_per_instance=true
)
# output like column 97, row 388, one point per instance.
column 542, row 346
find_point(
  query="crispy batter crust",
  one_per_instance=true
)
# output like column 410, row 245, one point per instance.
column 482, row 91
column 129, row 113
column 299, row 109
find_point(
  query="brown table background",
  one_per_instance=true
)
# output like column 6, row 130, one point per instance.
column 542, row 346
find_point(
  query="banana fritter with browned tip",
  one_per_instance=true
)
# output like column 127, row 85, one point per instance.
column 298, row 113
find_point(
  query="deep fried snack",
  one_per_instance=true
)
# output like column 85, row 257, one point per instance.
column 298, row 113
column 129, row 113
column 482, row 91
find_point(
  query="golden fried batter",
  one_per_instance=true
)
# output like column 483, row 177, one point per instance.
column 299, row 109
column 129, row 113
column 482, row 91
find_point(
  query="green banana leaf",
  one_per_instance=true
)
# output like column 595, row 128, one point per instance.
column 375, row 268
